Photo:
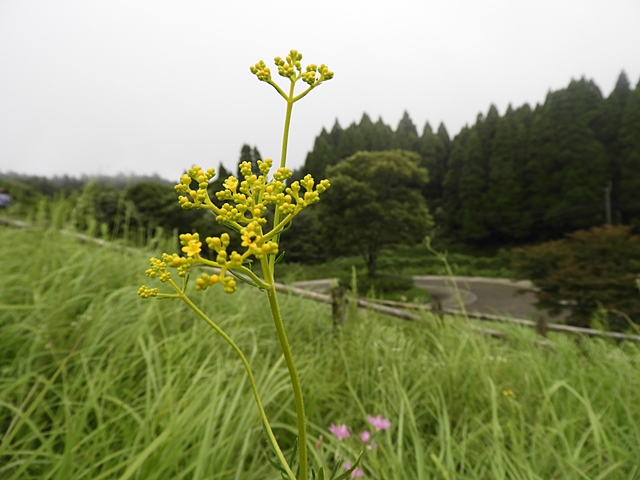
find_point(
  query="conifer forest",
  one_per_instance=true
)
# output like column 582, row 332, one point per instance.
column 530, row 174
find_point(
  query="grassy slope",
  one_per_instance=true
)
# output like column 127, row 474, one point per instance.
column 151, row 393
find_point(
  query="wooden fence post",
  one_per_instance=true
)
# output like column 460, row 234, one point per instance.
column 542, row 324
column 338, row 305
column 436, row 308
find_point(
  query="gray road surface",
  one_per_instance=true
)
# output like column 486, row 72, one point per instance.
column 485, row 295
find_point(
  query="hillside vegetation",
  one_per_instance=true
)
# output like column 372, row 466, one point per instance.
column 97, row 383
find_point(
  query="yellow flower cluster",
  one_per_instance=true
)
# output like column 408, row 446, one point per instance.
column 182, row 264
column 158, row 270
column 244, row 209
column 261, row 71
column 205, row 281
column 315, row 74
column 252, row 238
column 249, row 197
column 224, row 262
column 291, row 68
column 294, row 200
column 192, row 245
column 244, row 200
column 288, row 69
column 145, row 292
column 198, row 196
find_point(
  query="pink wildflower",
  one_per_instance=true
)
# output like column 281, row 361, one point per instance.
column 340, row 431
column 357, row 472
column 365, row 436
column 379, row 422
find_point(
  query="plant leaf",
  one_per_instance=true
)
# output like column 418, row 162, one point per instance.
column 321, row 473
column 293, row 452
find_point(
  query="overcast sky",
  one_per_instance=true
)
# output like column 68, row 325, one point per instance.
column 134, row 86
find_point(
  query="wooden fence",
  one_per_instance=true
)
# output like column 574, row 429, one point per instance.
column 338, row 301
column 399, row 310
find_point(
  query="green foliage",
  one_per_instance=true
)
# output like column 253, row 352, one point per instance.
column 406, row 135
column 147, row 394
column 609, row 121
column 507, row 214
column 451, row 183
column 628, row 186
column 155, row 208
column 434, row 153
column 331, row 147
column 568, row 167
column 303, row 241
column 528, row 175
column 588, row 270
column 472, row 187
column 375, row 200
column 24, row 198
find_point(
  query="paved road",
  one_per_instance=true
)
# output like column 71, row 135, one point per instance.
column 485, row 295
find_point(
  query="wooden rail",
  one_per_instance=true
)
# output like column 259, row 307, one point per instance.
column 387, row 307
column 387, row 310
column 398, row 309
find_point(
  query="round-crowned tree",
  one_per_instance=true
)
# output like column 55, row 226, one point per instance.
column 375, row 200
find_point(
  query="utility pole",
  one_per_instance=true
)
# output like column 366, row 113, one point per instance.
column 607, row 203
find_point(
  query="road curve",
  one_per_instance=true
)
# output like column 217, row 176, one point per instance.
column 497, row 296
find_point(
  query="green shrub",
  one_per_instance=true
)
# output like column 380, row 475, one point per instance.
column 589, row 271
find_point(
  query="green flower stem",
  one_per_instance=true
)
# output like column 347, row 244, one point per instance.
column 244, row 270
column 306, row 91
column 278, row 89
column 277, row 230
column 254, row 387
column 287, row 123
column 167, row 295
column 283, row 159
column 252, row 276
column 293, row 373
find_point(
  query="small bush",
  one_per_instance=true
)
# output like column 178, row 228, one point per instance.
column 588, row 271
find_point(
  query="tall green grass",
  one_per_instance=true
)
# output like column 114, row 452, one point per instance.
column 97, row 383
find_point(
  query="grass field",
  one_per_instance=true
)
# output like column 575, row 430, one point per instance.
column 99, row 384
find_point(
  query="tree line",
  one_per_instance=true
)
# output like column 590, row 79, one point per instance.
column 531, row 174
